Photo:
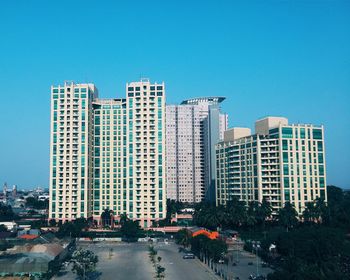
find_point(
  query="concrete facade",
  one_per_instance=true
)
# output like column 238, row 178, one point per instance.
column 286, row 164
column 108, row 153
column 193, row 129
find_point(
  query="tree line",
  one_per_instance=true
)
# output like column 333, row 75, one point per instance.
column 314, row 245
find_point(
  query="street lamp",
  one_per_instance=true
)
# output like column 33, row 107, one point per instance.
column 256, row 246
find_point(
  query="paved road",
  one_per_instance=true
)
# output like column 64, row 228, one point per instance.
column 176, row 268
column 241, row 268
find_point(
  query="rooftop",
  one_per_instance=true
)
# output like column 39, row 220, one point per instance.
column 197, row 100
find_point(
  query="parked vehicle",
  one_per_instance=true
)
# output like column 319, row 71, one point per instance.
column 188, row 256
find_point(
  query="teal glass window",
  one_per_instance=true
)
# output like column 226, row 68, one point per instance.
column 322, row 182
column 317, row 133
column 287, row 132
column 320, row 146
column 285, row 145
column 321, row 170
column 285, row 156
column 286, row 182
column 320, row 158
column 287, row 195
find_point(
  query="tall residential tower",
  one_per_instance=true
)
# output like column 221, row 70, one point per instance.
column 280, row 163
column 192, row 130
column 108, row 153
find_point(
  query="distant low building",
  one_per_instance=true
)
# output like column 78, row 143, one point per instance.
column 195, row 231
column 11, row 226
column 35, row 259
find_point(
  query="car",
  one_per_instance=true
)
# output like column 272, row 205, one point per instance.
column 250, row 263
column 188, row 256
column 234, row 264
column 221, row 261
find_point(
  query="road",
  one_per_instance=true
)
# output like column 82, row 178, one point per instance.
column 176, row 268
column 246, row 264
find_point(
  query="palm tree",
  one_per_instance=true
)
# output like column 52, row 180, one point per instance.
column 251, row 218
column 264, row 211
column 183, row 237
column 236, row 212
column 106, row 217
column 309, row 212
column 288, row 216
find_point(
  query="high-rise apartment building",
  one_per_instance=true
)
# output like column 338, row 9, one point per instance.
column 71, row 151
column 280, row 163
column 192, row 130
column 108, row 153
column 184, row 154
column 145, row 151
column 109, row 164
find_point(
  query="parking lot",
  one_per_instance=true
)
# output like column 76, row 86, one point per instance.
column 130, row 261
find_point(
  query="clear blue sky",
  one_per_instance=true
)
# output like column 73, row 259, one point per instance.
column 289, row 58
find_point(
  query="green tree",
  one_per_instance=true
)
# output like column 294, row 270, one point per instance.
column 338, row 207
column 6, row 213
column 130, row 229
column 288, row 216
column 209, row 216
column 33, row 202
column 3, row 228
column 183, row 238
column 160, row 272
column 309, row 214
column 84, row 262
column 107, row 217
column 52, row 223
column 173, row 207
column 236, row 212
column 216, row 249
column 251, row 219
column 313, row 252
column 264, row 211
column 72, row 229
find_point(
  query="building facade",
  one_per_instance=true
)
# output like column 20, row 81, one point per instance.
column 71, row 151
column 185, row 164
column 108, row 153
column 192, row 130
column 280, row 163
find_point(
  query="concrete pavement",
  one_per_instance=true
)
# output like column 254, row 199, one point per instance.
column 130, row 261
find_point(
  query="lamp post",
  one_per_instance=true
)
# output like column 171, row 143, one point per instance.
column 256, row 246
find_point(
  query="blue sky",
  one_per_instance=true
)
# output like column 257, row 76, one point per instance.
column 289, row 58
